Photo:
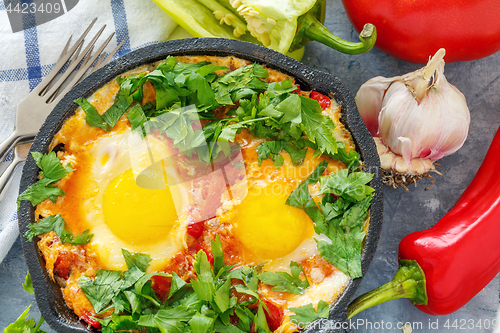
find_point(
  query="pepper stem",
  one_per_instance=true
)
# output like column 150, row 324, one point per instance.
column 409, row 282
column 312, row 29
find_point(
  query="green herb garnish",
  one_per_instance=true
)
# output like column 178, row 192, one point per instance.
column 56, row 223
column 306, row 314
column 25, row 325
column 341, row 218
column 186, row 93
column 282, row 281
column 203, row 305
column 51, row 171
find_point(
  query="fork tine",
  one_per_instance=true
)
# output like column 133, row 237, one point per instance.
column 83, row 69
column 108, row 58
column 44, row 90
column 98, row 62
column 72, row 67
column 84, row 62
column 65, row 48
column 77, row 53
column 60, row 63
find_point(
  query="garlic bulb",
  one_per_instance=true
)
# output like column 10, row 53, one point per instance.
column 419, row 116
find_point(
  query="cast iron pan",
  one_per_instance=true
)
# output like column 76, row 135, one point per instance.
column 48, row 294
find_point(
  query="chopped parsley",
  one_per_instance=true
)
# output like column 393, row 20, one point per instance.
column 203, row 305
column 282, row 281
column 306, row 314
column 340, row 216
column 187, row 93
column 51, row 171
column 56, row 223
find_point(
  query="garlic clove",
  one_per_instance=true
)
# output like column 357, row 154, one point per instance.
column 369, row 101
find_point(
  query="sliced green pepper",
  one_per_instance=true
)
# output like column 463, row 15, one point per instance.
column 282, row 25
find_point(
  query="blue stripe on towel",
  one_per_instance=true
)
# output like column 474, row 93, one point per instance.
column 14, row 217
column 121, row 27
column 9, row 157
column 32, row 52
column 20, row 74
column 2, row 5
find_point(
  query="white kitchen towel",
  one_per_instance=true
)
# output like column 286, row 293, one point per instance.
column 28, row 56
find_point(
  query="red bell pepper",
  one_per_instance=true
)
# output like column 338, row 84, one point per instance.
column 444, row 267
column 412, row 30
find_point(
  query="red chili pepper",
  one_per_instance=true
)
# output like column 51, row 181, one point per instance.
column 86, row 316
column 444, row 267
column 196, row 229
column 323, row 100
column 413, row 30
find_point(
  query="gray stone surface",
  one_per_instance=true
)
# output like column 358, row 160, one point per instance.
column 405, row 211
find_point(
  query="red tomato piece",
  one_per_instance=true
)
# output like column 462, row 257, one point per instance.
column 323, row 100
column 196, row 229
column 161, row 286
column 87, row 317
column 297, row 91
column 62, row 265
column 274, row 317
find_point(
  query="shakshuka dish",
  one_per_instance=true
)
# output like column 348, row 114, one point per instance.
column 201, row 194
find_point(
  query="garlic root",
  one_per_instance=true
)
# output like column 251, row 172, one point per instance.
column 395, row 171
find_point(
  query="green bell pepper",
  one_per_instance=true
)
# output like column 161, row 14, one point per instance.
column 282, row 25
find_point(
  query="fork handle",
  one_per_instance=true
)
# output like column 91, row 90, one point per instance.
column 6, row 176
column 11, row 142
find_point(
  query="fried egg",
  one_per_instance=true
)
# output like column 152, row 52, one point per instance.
column 122, row 212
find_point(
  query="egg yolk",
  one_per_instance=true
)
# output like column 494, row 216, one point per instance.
column 135, row 214
column 267, row 227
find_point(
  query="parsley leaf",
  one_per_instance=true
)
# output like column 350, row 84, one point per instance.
column 56, row 223
column 306, row 314
column 122, row 102
column 136, row 116
column 282, row 281
column 51, row 171
column 51, row 166
column 28, row 285
column 318, row 127
column 93, row 118
column 101, row 291
column 341, row 218
column 300, row 197
column 349, row 186
column 137, row 259
column 345, row 249
column 24, row 325
column 39, row 192
column 269, row 149
column 239, row 83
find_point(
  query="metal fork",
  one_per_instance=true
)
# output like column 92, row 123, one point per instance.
column 34, row 108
